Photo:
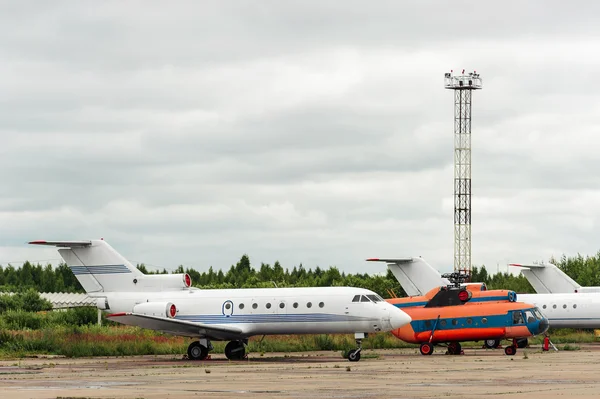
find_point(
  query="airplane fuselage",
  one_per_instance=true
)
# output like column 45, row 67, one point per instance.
column 269, row 310
column 576, row 310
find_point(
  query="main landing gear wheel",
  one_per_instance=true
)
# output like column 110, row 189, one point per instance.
column 454, row 348
column 510, row 350
column 492, row 343
column 235, row 350
column 197, row 351
column 522, row 343
column 426, row 348
column 354, row 355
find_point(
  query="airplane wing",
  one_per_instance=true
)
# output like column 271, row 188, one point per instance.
column 177, row 327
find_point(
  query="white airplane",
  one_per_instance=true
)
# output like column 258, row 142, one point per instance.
column 169, row 303
column 569, row 310
column 549, row 279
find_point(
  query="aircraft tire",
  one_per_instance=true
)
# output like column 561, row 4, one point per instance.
column 354, row 355
column 196, row 351
column 522, row 343
column 235, row 350
column 426, row 348
column 510, row 350
column 454, row 348
column 492, row 343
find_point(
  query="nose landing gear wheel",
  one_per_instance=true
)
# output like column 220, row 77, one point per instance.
column 354, row 355
column 426, row 348
column 510, row 350
column 235, row 350
column 197, row 351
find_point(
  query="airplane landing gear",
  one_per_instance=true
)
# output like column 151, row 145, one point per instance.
column 492, row 343
column 426, row 348
column 354, row 354
column 454, row 348
column 522, row 343
column 198, row 350
column 235, row 350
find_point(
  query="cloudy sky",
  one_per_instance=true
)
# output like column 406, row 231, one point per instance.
column 306, row 132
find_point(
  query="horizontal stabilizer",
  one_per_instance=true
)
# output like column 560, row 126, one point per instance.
column 178, row 327
column 522, row 265
column 390, row 260
column 62, row 244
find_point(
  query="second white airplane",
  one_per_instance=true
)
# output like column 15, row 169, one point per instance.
column 169, row 303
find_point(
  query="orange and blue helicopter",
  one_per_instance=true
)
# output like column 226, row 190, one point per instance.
column 456, row 313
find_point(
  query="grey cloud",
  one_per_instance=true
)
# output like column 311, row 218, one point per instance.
column 196, row 132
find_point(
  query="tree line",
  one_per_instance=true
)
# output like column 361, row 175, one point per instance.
column 584, row 270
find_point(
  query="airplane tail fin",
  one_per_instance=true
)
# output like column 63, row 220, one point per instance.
column 548, row 278
column 99, row 268
column 416, row 276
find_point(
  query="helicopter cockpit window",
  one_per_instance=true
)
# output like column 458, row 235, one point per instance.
column 375, row 298
column 356, row 298
column 538, row 314
column 529, row 316
column 364, row 299
column 518, row 317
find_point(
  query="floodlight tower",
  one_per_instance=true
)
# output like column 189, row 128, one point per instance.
column 463, row 86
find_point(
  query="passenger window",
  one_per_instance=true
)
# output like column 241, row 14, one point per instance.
column 443, row 323
column 254, row 305
column 282, row 305
column 356, row 298
column 454, row 322
column 484, row 321
column 544, row 306
column 227, row 306
column 469, row 320
column 241, row 306
column 309, row 305
column 574, row 306
column 565, row 306
column 268, row 305
column 518, row 317
column 427, row 323
column 321, row 304
column 295, row 305
column 553, row 306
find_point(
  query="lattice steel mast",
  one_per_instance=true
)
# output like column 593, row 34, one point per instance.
column 463, row 86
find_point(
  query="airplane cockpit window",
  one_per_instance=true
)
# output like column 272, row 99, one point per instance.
column 356, row 298
column 538, row 314
column 529, row 316
column 518, row 317
column 363, row 298
column 375, row 298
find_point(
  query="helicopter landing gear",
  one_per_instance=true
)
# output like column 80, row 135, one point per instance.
column 426, row 348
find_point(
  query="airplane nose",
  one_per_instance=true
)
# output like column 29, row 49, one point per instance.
column 398, row 318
